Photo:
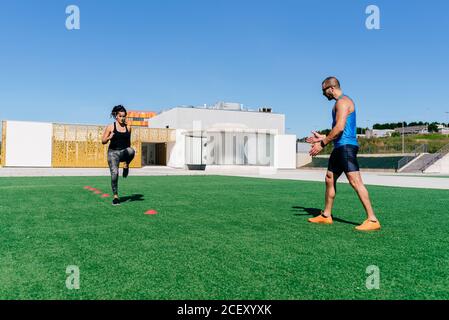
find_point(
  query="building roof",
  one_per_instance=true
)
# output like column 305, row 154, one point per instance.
column 140, row 114
column 214, row 108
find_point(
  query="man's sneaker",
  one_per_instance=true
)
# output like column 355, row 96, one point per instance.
column 368, row 225
column 125, row 172
column 321, row 219
column 115, row 202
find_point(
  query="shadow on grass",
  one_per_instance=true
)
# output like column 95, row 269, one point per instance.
column 316, row 212
column 134, row 197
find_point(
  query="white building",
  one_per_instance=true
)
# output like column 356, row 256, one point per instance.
column 443, row 130
column 423, row 129
column 227, row 135
column 376, row 133
column 222, row 135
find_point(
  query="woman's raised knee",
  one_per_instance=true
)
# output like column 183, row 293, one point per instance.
column 131, row 151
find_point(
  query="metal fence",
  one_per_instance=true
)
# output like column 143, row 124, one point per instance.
column 418, row 150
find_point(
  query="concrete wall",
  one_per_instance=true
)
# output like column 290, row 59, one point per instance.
column 302, row 159
column 28, row 144
column 183, row 118
column 302, row 154
column 285, row 151
column 441, row 166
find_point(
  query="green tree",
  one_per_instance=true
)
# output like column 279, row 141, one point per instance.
column 433, row 127
column 325, row 131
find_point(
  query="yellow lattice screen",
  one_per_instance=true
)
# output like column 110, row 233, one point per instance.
column 80, row 145
column 3, row 154
column 152, row 135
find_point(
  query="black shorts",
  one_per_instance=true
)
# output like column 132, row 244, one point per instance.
column 344, row 159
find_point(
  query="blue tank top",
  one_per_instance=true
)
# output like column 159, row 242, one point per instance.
column 349, row 134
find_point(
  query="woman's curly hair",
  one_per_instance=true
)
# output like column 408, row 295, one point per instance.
column 116, row 110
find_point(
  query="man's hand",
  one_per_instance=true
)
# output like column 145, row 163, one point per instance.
column 315, row 138
column 316, row 148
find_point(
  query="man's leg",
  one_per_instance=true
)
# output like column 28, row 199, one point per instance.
column 355, row 179
column 326, row 216
column 331, row 192
column 334, row 170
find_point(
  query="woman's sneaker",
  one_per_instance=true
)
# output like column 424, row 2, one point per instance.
column 115, row 202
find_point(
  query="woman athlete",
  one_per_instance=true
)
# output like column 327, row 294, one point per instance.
column 119, row 135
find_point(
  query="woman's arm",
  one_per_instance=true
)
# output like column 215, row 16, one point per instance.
column 107, row 135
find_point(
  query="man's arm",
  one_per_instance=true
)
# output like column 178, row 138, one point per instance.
column 316, row 137
column 342, row 110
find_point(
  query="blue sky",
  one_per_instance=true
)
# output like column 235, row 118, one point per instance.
column 153, row 55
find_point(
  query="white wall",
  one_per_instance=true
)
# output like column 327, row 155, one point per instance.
column 285, row 151
column 441, row 166
column 196, row 152
column 28, row 144
column 183, row 118
column 167, row 118
column 176, row 151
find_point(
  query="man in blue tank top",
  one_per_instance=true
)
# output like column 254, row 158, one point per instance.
column 344, row 155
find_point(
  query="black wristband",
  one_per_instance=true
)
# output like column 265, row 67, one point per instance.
column 322, row 144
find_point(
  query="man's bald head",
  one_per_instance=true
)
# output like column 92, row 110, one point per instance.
column 331, row 82
column 331, row 88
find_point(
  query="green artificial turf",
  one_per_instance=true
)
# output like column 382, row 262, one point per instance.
column 217, row 237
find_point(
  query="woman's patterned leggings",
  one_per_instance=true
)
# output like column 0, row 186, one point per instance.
column 114, row 159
